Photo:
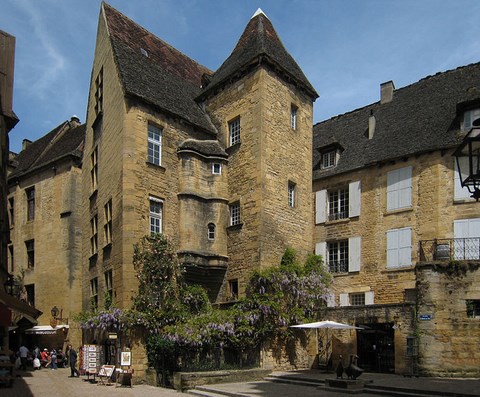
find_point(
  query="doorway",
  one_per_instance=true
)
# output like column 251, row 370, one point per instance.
column 376, row 348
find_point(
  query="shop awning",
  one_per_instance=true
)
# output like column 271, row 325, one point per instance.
column 16, row 304
column 46, row 329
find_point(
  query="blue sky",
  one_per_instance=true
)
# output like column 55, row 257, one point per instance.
column 346, row 48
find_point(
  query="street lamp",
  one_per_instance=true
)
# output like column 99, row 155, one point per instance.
column 10, row 285
column 467, row 156
column 54, row 312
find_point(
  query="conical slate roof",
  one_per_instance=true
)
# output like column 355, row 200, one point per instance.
column 260, row 43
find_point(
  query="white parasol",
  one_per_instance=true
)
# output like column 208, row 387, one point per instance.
column 327, row 324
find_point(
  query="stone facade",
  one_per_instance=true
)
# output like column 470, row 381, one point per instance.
column 45, row 251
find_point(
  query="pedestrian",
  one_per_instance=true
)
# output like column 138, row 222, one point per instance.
column 23, row 351
column 44, row 359
column 72, row 360
column 53, row 359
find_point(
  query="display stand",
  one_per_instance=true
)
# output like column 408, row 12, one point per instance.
column 125, row 373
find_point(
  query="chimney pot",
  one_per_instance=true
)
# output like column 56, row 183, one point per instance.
column 74, row 121
column 25, row 143
column 386, row 92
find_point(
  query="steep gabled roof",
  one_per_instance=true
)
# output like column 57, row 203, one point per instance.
column 155, row 71
column 63, row 141
column 260, row 43
column 421, row 117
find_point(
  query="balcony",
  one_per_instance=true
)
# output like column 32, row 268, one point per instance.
column 338, row 266
column 458, row 249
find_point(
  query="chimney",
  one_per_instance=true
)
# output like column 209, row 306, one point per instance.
column 26, row 143
column 386, row 92
column 74, row 121
column 371, row 125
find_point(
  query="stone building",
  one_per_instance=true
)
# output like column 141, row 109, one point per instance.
column 220, row 162
column 393, row 224
column 10, row 306
column 44, row 201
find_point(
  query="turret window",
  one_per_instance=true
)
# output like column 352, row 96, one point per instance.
column 211, row 231
column 216, row 169
column 234, row 131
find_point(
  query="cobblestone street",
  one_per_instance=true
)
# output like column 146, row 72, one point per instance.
column 58, row 384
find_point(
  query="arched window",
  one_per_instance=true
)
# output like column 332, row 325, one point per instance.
column 211, row 231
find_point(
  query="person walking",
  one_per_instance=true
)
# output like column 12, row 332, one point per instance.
column 23, row 351
column 53, row 359
column 72, row 360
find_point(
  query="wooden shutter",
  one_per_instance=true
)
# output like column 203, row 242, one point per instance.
column 320, row 206
column 392, row 248
column 405, row 247
column 321, row 249
column 354, row 254
column 344, row 300
column 459, row 192
column 330, row 298
column 354, row 199
column 405, row 187
column 369, row 298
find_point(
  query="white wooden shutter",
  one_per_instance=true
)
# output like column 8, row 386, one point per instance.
column 405, row 187
column 354, row 199
column 321, row 249
column 344, row 300
column 320, row 206
column 460, row 192
column 330, row 298
column 392, row 248
column 354, row 254
column 405, row 247
column 369, row 298
column 392, row 197
column 463, row 230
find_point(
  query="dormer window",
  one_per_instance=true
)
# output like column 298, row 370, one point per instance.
column 329, row 159
column 469, row 117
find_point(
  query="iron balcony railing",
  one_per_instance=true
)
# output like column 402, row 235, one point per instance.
column 450, row 249
column 338, row 266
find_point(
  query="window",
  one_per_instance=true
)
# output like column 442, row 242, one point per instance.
column 107, row 227
column 338, row 256
column 291, row 194
column 11, row 258
column 234, row 131
column 329, row 159
column 211, row 231
column 94, row 235
column 94, row 293
column 337, row 204
column 469, row 117
column 216, row 168
column 109, row 283
column 94, row 168
column 156, row 215
column 466, row 244
column 30, row 203
column 357, row 299
column 233, row 289
column 30, row 246
column 11, row 210
column 154, row 145
column 473, row 308
column 293, row 117
column 459, row 192
column 99, row 93
column 399, row 247
column 30, row 292
column 235, row 214
column 399, row 188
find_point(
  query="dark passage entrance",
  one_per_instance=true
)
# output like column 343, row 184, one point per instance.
column 375, row 347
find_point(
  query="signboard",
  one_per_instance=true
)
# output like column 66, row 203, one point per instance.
column 425, row 317
column 126, row 358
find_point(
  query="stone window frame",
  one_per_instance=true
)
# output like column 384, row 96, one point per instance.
column 292, row 194
column 94, row 293
column 108, row 275
column 217, row 168
column 11, row 210
column 235, row 214
column 155, row 143
column 30, row 193
column 99, row 92
column 11, row 257
column 234, row 129
column 155, row 215
column 356, row 298
column 399, row 188
column 399, row 243
column 469, row 116
column 211, row 231
column 107, row 227
column 233, row 289
column 30, row 294
column 94, row 169
column 293, row 116
column 338, row 203
column 338, row 256
column 30, row 249
column 94, row 235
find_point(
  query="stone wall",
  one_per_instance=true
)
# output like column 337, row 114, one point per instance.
column 448, row 338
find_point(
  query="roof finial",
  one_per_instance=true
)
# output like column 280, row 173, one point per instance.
column 258, row 12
